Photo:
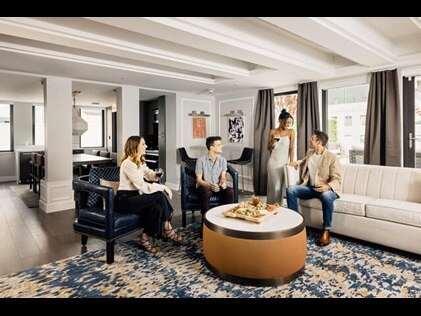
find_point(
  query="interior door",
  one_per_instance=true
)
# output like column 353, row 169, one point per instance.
column 412, row 121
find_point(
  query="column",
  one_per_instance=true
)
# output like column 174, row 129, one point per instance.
column 127, row 115
column 56, row 188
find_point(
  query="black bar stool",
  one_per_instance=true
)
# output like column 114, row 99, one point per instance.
column 246, row 158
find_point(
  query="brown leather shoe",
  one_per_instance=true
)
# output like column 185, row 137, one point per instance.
column 324, row 238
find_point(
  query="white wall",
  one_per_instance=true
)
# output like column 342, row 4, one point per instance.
column 179, row 131
column 22, row 116
column 192, row 102
column 245, row 102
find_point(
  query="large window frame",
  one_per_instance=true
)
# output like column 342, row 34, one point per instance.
column 90, row 132
column 348, row 145
column 8, row 121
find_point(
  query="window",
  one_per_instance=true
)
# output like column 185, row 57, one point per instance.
column 346, row 109
column 38, row 129
column 6, row 127
column 94, row 136
column 348, row 120
column 288, row 101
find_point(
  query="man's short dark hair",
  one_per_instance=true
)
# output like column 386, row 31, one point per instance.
column 321, row 136
column 211, row 140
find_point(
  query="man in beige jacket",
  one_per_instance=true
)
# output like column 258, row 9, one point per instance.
column 321, row 175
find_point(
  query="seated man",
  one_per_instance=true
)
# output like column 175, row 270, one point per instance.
column 211, row 175
column 321, row 176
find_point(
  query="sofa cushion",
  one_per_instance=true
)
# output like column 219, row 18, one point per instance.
column 380, row 182
column 352, row 204
column 403, row 212
column 347, row 204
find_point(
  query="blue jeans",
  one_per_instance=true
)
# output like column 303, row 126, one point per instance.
column 294, row 192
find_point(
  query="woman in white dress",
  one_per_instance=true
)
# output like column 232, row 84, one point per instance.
column 281, row 145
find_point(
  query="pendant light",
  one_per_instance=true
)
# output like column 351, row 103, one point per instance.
column 80, row 126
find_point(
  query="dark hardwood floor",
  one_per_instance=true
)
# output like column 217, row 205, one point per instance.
column 29, row 237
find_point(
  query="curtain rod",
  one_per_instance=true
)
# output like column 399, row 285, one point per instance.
column 384, row 69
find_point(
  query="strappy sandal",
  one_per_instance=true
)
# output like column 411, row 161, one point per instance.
column 146, row 245
column 170, row 235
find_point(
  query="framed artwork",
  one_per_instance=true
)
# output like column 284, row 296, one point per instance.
column 199, row 127
column 236, row 129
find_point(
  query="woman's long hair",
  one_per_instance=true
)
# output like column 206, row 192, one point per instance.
column 130, row 151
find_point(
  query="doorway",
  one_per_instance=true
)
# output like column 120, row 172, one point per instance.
column 152, row 127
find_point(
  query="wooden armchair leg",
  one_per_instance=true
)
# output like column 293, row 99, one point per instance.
column 110, row 252
column 84, row 240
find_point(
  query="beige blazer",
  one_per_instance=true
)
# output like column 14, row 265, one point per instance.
column 328, row 171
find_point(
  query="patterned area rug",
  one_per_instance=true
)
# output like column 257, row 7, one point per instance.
column 342, row 269
column 28, row 197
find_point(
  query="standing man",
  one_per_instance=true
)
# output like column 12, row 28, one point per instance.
column 211, row 172
column 321, row 176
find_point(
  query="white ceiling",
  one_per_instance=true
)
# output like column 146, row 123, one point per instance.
column 194, row 54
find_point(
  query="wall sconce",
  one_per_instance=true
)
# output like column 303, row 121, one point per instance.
column 202, row 113
column 232, row 113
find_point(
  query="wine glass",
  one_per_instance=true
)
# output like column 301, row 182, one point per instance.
column 159, row 172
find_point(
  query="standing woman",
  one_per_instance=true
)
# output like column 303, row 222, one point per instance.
column 147, row 200
column 281, row 145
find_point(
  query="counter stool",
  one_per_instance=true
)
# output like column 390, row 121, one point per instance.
column 246, row 158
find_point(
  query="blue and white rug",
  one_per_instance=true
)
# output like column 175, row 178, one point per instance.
column 342, row 269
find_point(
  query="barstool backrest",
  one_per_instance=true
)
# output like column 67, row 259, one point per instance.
column 247, row 154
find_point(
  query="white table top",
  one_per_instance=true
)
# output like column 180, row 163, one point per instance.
column 283, row 224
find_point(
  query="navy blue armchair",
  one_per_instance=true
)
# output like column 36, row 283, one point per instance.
column 93, row 218
column 189, row 196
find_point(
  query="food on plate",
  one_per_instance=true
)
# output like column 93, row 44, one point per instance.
column 251, row 209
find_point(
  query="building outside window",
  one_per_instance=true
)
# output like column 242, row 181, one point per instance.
column 346, row 117
column 348, row 121
column 5, row 127
column 94, row 136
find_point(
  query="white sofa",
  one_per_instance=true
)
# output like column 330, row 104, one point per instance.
column 377, row 204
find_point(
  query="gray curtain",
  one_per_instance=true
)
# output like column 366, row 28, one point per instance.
column 307, row 115
column 263, row 122
column 382, row 144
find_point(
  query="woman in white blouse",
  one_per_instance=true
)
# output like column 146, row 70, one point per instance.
column 142, row 198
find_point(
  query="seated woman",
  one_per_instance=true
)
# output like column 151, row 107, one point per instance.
column 147, row 200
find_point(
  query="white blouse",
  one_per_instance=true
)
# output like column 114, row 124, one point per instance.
column 132, row 178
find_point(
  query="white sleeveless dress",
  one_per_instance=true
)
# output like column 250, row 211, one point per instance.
column 278, row 159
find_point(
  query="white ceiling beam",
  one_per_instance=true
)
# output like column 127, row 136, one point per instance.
column 33, row 51
column 74, row 38
column 231, row 37
column 348, row 37
column 416, row 21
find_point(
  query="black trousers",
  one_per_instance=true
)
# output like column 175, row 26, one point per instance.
column 205, row 194
column 153, row 209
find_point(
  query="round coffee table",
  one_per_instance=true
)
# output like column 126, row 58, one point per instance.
column 270, row 253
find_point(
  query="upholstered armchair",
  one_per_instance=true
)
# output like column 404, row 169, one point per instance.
column 95, row 215
column 189, row 195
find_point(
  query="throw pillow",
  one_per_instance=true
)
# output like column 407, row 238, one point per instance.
column 112, row 184
column 108, row 173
